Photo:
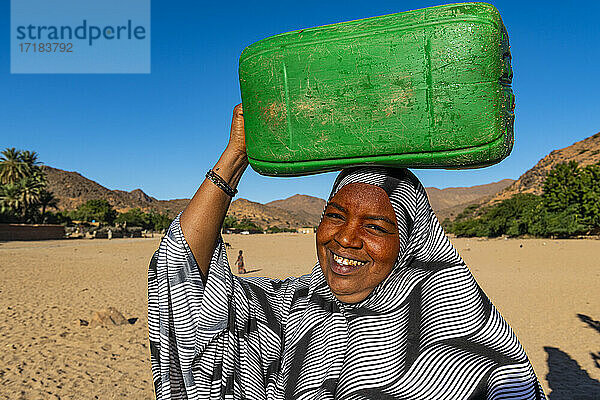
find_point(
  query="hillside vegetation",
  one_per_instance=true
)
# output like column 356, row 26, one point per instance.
column 26, row 197
column 569, row 204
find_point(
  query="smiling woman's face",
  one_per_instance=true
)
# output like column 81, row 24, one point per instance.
column 357, row 241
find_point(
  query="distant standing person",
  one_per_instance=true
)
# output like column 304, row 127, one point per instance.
column 240, row 263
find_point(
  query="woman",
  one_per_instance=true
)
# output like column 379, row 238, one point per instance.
column 239, row 263
column 390, row 311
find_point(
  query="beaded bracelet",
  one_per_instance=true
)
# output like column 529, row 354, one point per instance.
column 220, row 182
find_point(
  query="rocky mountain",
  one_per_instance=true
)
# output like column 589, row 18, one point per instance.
column 305, row 207
column 265, row 215
column 585, row 152
column 72, row 189
column 449, row 202
column 303, row 210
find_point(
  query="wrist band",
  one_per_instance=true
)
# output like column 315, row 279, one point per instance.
column 220, row 182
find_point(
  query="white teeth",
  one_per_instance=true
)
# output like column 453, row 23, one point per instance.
column 346, row 261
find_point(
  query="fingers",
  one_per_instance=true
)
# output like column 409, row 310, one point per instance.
column 237, row 139
column 237, row 119
column 238, row 110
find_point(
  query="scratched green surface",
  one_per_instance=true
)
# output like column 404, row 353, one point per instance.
column 429, row 88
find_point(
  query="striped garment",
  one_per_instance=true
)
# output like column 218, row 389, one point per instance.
column 426, row 332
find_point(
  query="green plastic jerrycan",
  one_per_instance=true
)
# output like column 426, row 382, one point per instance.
column 429, row 88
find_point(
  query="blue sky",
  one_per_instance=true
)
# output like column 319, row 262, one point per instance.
column 160, row 132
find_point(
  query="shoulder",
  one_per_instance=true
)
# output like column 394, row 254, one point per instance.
column 267, row 291
column 262, row 286
column 266, row 301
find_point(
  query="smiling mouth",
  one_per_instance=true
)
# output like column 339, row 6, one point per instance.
column 344, row 266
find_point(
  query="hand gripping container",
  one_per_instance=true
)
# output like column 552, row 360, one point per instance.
column 429, row 88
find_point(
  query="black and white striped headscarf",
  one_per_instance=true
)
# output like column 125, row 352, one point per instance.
column 426, row 332
column 422, row 239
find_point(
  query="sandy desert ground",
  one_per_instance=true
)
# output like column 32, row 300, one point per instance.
column 548, row 290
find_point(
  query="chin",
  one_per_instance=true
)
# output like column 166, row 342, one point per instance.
column 342, row 292
column 351, row 298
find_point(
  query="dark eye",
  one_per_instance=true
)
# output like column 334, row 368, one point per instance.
column 334, row 215
column 377, row 228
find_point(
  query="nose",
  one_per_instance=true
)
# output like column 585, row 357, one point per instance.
column 347, row 236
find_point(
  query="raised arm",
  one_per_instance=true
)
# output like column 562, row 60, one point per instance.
column 202, row 219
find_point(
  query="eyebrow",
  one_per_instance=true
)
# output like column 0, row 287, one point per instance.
column 336, row 205
column 372, row 217
column 381, row 218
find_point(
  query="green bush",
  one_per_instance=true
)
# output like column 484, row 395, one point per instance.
column 98, row 210
column 245, row 224
column 159, row 221
column 569, row 205
column 229, row 222
column 60, row 217
column 148, row 220
column 134, row 217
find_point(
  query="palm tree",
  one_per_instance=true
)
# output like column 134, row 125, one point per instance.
column 10, row 198
column 22, row 183
column 47, row 200
column 31, row 189
column 30, row 158
column 12, row 167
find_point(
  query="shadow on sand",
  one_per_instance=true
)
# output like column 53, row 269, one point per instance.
column 249, row 271
column 592, row 323
column 566, row 378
